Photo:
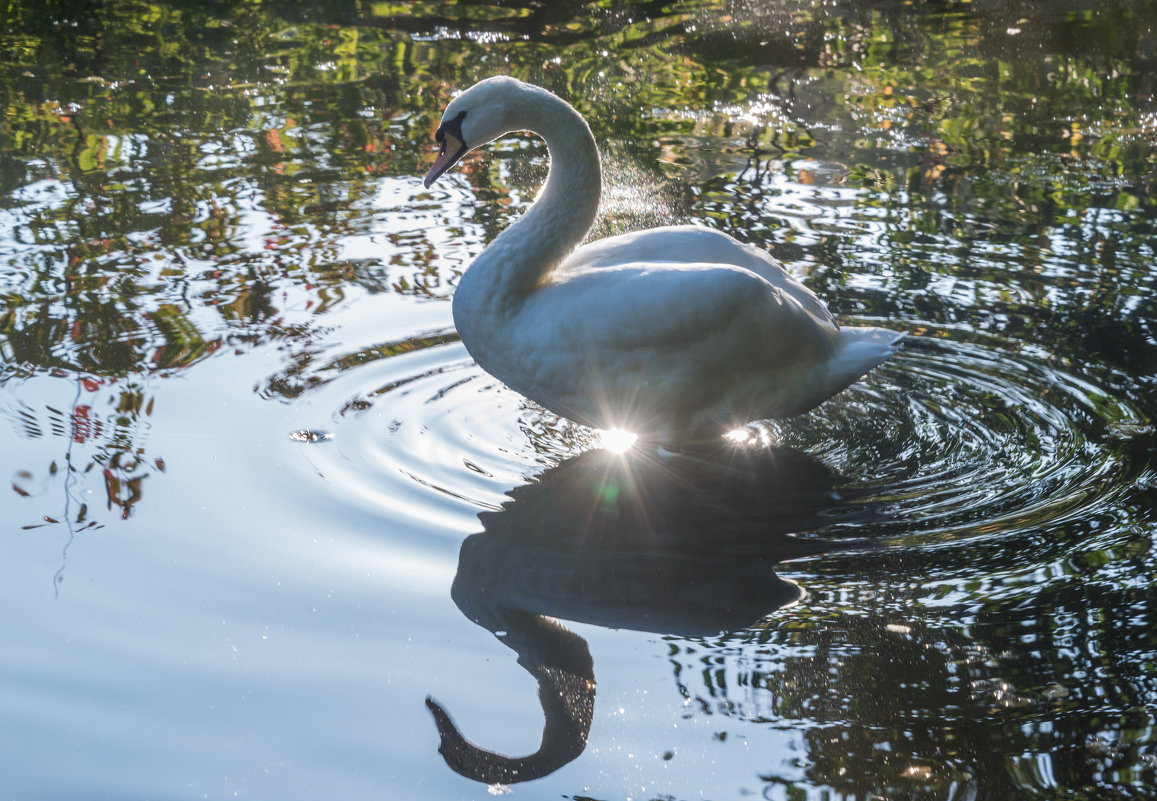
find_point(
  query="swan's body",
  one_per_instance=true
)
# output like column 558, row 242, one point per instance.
column 675, row 332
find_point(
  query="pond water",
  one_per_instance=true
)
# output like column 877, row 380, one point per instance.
column 259, row 504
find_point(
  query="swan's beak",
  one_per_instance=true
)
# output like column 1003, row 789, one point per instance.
column 452, row 150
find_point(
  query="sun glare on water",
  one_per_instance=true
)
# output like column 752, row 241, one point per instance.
column 616, row 440
column 751, row 436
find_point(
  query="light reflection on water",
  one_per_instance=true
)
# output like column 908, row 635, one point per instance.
column 959, row 439
column 951, row 445
column 958, row 442
column 262, row 504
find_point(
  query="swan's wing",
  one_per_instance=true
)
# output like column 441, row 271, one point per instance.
column 694, row 319
column 691, row 245
column 670, row 244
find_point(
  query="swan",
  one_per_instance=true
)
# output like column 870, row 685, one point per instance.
column 678, row 334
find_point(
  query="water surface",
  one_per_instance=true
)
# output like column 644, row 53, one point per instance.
column 261, row 505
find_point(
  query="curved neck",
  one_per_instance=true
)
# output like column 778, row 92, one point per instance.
column 523, row 255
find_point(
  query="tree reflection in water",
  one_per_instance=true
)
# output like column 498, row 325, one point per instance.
column 684, row 546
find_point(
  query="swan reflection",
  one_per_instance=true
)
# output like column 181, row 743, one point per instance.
column 685, row 546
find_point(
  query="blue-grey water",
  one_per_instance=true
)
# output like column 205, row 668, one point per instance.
column 259, row 505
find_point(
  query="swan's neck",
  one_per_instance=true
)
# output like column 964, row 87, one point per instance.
column 521, row 258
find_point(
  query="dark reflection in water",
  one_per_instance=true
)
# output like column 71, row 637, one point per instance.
column 684, row 546
column 560, row 661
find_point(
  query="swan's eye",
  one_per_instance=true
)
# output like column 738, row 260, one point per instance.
column 453, row 127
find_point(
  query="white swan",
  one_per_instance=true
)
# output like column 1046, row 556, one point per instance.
column 675, row 333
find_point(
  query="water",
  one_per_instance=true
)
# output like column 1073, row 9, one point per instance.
column 261, row 504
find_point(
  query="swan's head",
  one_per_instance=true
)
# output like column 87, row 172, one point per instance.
column 481, row 114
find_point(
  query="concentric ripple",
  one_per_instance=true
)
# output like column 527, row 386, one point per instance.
column 428, row 435
column 962, row 438
column 955, row 438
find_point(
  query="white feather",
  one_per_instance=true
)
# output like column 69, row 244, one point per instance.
column 677, row 332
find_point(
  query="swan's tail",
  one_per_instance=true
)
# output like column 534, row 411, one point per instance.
column 861, row 350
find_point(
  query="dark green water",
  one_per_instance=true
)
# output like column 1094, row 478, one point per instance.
column 260, row 503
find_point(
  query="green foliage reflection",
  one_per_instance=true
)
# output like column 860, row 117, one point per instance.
column 180, row 180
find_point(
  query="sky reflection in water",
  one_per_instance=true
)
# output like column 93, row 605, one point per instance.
column 262, row 504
